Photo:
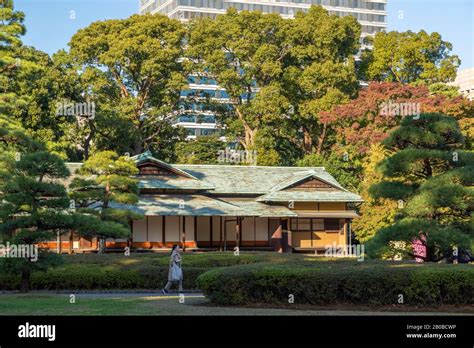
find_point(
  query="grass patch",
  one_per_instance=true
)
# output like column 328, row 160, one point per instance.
column 49, row 304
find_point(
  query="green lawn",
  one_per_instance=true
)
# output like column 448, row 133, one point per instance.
column 50, row 304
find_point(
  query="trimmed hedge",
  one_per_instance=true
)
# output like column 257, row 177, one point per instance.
column 371, row 284
column 137, row 271
column 83, row 277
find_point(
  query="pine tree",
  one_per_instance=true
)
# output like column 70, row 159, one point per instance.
column 431, row 177
column 110, row 183
column 33, row 209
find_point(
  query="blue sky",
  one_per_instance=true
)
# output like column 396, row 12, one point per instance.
column 51, row 23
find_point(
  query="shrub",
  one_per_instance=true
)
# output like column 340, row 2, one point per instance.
column 137, row 271
column 83, row 277
column 370, row 284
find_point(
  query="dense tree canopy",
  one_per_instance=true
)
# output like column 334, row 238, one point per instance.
column 278, row 73
column 407, row 57
column 140, row 57
column 431, row 174
column 362, row 121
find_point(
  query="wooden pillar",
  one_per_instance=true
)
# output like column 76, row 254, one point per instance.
column 225, row 234
column 163, row 230
column 254, row 231
column 349, row 237
column 147, row 239
column 286, row 235
column 195, row 231
column 184, row 233
column 220, row 233
column 130, row 239
column 211, row 231
column 238, row 232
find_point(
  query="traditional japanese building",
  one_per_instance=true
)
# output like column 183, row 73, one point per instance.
column 223, row 206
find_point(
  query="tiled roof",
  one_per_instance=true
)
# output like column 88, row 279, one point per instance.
column 266, row 184
column 172, row 183
column 200, row 205
column 258, row 180
column 147, row 156
column 306, row 173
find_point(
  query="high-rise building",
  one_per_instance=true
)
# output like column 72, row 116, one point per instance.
column 371, row 14
column 465, row 82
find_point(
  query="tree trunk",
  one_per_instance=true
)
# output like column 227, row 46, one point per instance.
column 249, row 132
column 71, row 241
column 321, row 139
column 25, row 280
column 87, row 142
column 59, row 242
column 307, row 142
column 138, row 147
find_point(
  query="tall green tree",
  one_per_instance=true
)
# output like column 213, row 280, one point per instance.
column 30, row 82
column 33, row 209
column 431, row 177
column 245, row 51
column 141, row 57
column 12, row 28
column 111, row 182
column 323, row 70
column 408, row 57
column 279, row 74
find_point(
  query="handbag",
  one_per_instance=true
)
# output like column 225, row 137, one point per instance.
column 176, row 272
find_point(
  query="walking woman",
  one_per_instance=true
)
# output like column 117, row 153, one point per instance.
column 175, row 273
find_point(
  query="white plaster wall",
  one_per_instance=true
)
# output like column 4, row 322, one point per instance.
column 203, row 228
column 139, row 230
column 190, row 228
column 155, row 226
column 172, row 229
column 262, row 228
column 216, row 229
column 248, row 229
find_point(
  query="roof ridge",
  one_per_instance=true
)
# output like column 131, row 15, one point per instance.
column 243, row 166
